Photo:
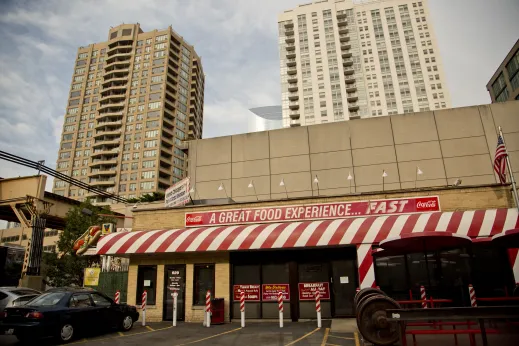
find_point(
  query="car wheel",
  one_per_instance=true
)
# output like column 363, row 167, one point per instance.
column 66, row 332
column 127, row 323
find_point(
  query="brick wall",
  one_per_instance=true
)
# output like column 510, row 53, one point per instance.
column 192, row 313
column 451, row 199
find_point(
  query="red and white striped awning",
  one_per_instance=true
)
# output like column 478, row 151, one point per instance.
column 362, row 230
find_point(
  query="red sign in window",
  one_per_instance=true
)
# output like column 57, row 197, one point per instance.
column 252, row 292
column 307, row 290
column 270, row 291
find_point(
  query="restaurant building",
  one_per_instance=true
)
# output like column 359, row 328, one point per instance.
column 280, row 215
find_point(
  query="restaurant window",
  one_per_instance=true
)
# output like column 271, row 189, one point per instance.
column 203, row 281
column 147, row 280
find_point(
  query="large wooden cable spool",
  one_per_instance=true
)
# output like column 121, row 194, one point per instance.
column 372, row 320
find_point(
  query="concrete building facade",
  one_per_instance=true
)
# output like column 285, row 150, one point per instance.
column 133, row 100
column 345, row 59
column 445, row 145
column 504, row 84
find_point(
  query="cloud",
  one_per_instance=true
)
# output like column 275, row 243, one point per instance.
column 237, row 40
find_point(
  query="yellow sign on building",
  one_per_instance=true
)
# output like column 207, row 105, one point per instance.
column 91, row 277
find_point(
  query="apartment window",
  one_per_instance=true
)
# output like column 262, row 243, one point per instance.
column 148, row 175
column 148, row 164
column 149, row 153
column 150, row 134
column 147, row 185
column 203, row 280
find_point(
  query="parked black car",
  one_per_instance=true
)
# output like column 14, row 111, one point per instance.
column 66, row 313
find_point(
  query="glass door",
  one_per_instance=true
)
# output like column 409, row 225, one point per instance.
column 175, row 280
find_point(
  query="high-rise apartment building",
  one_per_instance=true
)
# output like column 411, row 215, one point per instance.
column 345, row 59
column 133, row 100
column 504, row 84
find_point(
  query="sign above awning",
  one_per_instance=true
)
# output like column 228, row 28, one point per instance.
column 321, row 211
column 361, row 230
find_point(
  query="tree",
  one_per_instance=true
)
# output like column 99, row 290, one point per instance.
column 149, row 197
column 65, row 268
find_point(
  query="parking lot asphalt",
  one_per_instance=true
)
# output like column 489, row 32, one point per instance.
column 254, row 334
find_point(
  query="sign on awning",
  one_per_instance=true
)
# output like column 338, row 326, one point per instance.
column 319, row 211
column 177, row 194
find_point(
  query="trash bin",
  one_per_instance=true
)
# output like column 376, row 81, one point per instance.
column 218, row 311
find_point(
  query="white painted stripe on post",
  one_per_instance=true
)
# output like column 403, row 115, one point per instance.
column 374, row 229
column 351, row 231
column 488, row 222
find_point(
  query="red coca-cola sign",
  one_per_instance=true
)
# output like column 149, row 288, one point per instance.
column 321, row 211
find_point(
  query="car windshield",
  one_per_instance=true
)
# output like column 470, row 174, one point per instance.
column 24, row 292
column 47, row 299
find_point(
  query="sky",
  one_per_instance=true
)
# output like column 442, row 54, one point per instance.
column 237, row 40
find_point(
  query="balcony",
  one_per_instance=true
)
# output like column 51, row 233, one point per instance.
column 351, row 87
column 101, row 162
column 345, row 46
column 111, row 105
column 293, row 105
column 341, row 15
column 117, row 48
column 352, row 97
column 343, row 30
column 110, row 80
column 292, row 71
column 342, row 22
column 344, row 38
column 349, row 71
column 295, row 123
column 354, row 116
column 119, row 87
column 112, row 142
column 291, row 62
column 290, row 39
column 289, row 25
column 105, row 152
column 291, row 47
column 353, row 106
column 292, row 87
column 102, row 182
column 112, row 96
column 117, row 64
column 123, row 72
column 107, row 133
column 347, row 62
column 294, row 115
column 293, row 97
column 109, row 123
column 291, row 55
column 289, row 32
column 349, row 79
column 292, row 79
column 102, row 172
column 346, row 54
column 110, row 115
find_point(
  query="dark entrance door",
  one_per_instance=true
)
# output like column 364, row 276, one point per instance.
column 175, row 279
column 344, row 278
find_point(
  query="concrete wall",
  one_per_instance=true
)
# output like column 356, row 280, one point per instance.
column 446, row 145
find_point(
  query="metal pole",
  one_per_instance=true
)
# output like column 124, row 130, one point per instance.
column 512, row 179
column 175, row 294
column 415, row 177
column 254, row 187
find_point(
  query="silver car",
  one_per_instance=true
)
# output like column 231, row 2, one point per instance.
column 14, row 296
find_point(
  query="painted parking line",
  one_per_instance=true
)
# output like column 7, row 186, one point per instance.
column 325, row 337
column 210, row 337
column 119, row 335
column 341, row 337
column 304, row 336
column 149, row 328
column 356, row 336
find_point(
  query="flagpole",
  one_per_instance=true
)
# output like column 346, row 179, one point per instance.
column 512, row 179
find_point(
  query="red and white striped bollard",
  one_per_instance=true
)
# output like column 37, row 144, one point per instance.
column 423, row 297
column 472, row 294
column 242, row 308
column 143, row 307
column 280, row 307
column 208, row 309
column 318, row 308
column 117, row 297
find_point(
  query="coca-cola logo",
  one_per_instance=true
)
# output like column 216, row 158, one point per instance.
column 426, row 204
column 193, row 219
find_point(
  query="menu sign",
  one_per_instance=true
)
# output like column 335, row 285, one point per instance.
column 270, row 291
column 252, row 292
column 319, row 211
column 307, row 290
column 174, row 280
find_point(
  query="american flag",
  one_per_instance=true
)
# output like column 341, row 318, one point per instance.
column 500, row 160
